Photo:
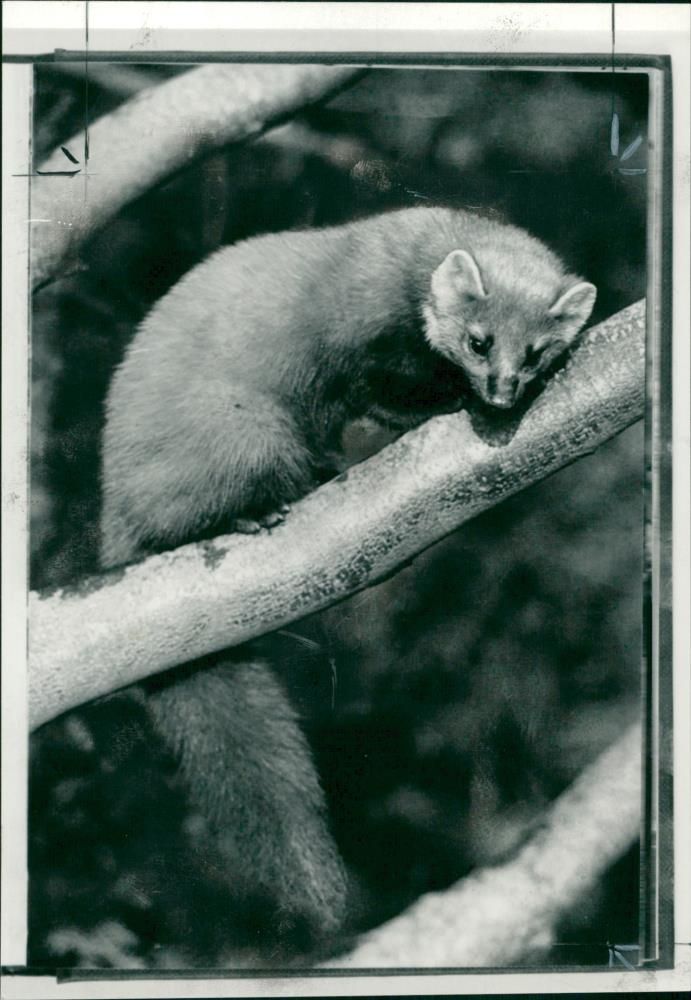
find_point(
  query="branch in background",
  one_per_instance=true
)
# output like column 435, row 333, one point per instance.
column 343, row 151
column 124, row 80
column 113, row 630
column 158, row 132
column 508, row 914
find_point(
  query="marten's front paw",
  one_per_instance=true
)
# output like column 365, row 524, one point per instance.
column 275, row 517
column 250, row 525
column 245, row 526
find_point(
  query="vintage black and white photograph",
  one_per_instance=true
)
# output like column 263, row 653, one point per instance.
column 403, row 243
column 345, row 403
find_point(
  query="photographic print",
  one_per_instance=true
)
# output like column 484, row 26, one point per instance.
column 349, row 381
column 425, row 240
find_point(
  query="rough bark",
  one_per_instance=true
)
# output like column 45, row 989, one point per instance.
column 113, row 630
column 156, row 133
column 508, row 914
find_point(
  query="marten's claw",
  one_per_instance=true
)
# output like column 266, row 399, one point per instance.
column 251, row 525
column 271, row 520
column 246, row 526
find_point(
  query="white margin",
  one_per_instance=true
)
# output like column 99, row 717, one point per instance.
column 16, row 96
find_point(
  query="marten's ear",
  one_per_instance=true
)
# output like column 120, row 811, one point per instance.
column 457, row 277
column 575, row 306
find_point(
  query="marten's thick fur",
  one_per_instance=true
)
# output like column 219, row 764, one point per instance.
column 230, row 400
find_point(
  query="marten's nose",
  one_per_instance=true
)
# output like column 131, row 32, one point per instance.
column 502, row 402
column 503, row 393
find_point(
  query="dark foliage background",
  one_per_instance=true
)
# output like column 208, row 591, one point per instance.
column 472, row 687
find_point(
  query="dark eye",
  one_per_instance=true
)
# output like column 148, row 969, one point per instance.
column 532, row 356
column 480, row 345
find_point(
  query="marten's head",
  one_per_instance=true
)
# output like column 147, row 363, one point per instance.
column 503, row 325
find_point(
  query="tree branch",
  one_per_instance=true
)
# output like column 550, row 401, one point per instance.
column 508, row 914
column 113, row 630
column 161, row 130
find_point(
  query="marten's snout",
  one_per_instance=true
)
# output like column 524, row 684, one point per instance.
column 502, row 391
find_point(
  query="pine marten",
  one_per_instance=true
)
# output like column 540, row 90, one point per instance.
column 228, row 405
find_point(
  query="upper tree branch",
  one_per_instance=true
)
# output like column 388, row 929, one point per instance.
column 117, row 629
column 156, row 133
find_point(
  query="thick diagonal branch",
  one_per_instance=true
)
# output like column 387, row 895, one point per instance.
column 155, row 134
column 116, row 629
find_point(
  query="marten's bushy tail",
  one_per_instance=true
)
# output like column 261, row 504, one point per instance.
column 249, row 770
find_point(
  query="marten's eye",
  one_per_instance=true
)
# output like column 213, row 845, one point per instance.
column 532, row 356
column 480, row 345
